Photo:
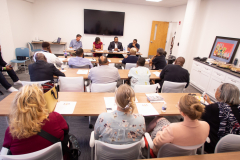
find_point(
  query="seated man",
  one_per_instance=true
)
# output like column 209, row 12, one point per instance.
column 132, row 58
column 175, row 73
column 51, row 58
column 41, row 70
column 115, row 46
column 134, row 45
column 104, row 73
column 159, row 60
column 139, row 75
column 79, row 60
column 76, row 43
column 11, row 73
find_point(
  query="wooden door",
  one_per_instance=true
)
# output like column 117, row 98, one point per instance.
column 158, row 36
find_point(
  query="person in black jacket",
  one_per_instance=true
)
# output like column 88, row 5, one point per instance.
column 159, row 60
column 132, row 58
column 115, row 46
column 222, row 116
column 175, row 73
column 41, row 70
column 11, row 73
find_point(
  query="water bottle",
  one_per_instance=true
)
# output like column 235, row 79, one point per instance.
column 124, row 49
column 164, row 107
column 65, row 54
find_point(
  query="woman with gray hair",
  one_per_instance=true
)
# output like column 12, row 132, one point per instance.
column 222, row 116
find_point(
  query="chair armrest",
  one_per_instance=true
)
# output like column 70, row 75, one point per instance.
column 208, row 140
column 92, row 140
column 4, row 151
column 149, row 140
column 142, row 143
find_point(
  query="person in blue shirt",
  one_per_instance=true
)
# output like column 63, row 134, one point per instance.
column 134, row 45
column 76, row 43
column 79, row 60
column 132, row 58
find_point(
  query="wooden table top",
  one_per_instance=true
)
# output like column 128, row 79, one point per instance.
column 40, row 42
column 72, row 72
column 104, row 51
column 93, row 104
column 217, row 156
column 112, row 60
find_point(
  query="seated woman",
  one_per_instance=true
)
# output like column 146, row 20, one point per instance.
column 190, row 132
column 97, row 46
column 223, row 116
column 27, row 117
column 121, row 126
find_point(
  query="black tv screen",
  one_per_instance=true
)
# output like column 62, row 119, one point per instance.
column 103, row 22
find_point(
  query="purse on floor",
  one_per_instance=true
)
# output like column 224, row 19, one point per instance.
column 73, row 151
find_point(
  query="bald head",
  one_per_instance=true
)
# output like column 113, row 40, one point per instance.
column 103, row 60
column 40, row 56
column 180, row 61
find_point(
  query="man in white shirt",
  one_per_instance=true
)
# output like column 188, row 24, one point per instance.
column 139, row 75
column 51, row 58
column 104, row 73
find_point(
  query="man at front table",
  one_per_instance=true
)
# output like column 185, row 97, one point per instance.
column 79, row 60
column 115, row 46
column 76, row 43
column 104, row 73
column 134, row 45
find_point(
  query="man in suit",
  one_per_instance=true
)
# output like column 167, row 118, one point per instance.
column 115, row 46
column 132, row 58
column 41, row 70
column 11, row 73
column 175, row 73
column 104, row 73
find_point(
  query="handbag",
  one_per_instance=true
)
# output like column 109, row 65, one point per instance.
column 73, row 151
column 51, row 96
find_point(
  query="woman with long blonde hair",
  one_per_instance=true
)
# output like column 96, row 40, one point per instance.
column 121, row 126
column 27, row 117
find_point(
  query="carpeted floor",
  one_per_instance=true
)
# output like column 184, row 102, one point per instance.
column 78, row 125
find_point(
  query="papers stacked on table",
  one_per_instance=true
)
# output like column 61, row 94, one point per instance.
column 146, row 109
column 82, row 71
column 65, row 107
column 157, row 74
column 154, row 97
column 92, row 60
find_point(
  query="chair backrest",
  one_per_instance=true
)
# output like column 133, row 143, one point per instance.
column 145, row 88
column 53, row 152
column 30, row 46
column 130, row 65
column 108, row 87
column 85, row 66
column 22, row 52
column 35, row 82
column 173, row 87
column 172, row 150
column 71, row 84
column 229, row 143
column 120, row 152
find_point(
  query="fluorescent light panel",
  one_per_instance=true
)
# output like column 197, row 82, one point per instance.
column 154, row 0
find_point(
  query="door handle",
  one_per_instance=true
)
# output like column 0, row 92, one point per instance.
column 151, row 41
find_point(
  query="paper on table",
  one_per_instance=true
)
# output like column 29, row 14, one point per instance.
column 111, row 105
column 63, row 70
column 65, row 107
column 82, row 71
column 146, row 109
column 157, row 73
column 61, row 59
column 109, row 60
column 120, row 61
column 99, row 51
column 92, row 60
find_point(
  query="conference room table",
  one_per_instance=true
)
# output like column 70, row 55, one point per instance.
column 103, row 51
column 72, row 72
column 216, row 156
column 93, row 104
column 95, row 59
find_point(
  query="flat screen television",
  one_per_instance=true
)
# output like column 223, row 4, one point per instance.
column 103, row 22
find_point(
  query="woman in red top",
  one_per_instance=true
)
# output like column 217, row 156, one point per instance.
column 27, row 117
column 97, row 46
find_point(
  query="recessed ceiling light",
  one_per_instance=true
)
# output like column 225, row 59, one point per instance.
column 154, row 0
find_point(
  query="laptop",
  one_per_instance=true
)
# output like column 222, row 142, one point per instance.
column 58, row 40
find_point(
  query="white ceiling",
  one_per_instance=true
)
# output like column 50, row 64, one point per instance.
column 163, row 3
